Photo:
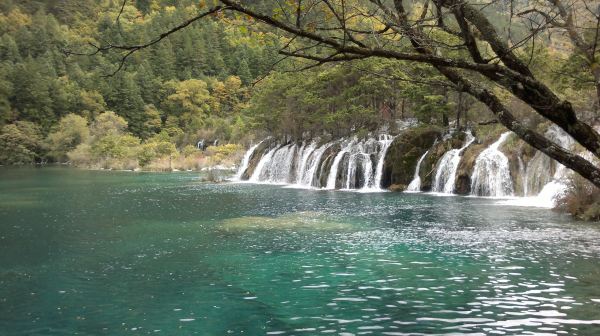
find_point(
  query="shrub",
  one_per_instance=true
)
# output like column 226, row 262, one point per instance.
column 20, row 143
column 70, row 131
column 581, row 200
column 224, row 154
column 81, row 155
column 189, row 150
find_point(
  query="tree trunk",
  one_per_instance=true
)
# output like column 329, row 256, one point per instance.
column 459, row 108
column 445, row 121
column 527, row 88
column 596, row 73
column 402, row 108
column 536, row 140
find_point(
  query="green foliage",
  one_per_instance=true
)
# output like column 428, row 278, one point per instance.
column 432, row 107
column 115, row 146
column 340, row 99
column 108, row 123
column 70, row 132
column 152, row 122
column 191, row 101
column 189, row 150
column 20, row 143
column 159, row 146
column 187, row 84
column 198, row 84
column 219, row 153
column 109, row 142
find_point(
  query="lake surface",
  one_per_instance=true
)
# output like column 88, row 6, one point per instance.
column 122, row 253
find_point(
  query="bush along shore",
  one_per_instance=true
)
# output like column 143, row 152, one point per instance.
column 106, row 143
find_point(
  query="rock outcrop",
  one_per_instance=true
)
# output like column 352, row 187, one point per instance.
column 403, row 154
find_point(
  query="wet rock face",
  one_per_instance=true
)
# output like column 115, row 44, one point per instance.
column 325, row 166
column 258, row 153
column 403, row 154
column 429, row 164
column 485, row 137
column 397, row 187
column 462, row 185
column 519, row 155
column 517, row 168
column 341, row 173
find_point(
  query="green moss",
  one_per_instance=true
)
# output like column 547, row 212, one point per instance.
column 404, row 153
column 487, row 134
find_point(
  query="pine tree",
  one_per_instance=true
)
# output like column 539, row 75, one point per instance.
column 243, row 71
column 127, row 102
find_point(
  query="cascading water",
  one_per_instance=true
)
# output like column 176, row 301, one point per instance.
column 358, row 170
column 415, row 184
column 277, row 170
column 385, row 141
column 491, row 174
column 246, row 161
column 308, row 175
column 358, row 165
column 305, row 153
column 349, row 164
column 541, row 169
column 545, row 179
column 332, row 177
column 265, row 159
column 447, row 167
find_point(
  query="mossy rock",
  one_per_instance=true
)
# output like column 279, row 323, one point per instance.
column 429, row 164
column 486, row 135
column 404, row 153
column 397, row 187
column 462, row 184
column 515, row 150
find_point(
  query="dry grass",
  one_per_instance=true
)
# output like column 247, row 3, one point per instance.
column 582, row 200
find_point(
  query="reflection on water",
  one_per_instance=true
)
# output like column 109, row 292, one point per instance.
column 105, row 253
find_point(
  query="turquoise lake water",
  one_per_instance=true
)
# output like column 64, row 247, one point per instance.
column 123, row 253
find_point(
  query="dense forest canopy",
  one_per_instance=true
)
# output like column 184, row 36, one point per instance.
column 315, row 67
column 197, row 84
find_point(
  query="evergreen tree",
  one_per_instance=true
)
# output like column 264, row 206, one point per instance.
column 127, row 101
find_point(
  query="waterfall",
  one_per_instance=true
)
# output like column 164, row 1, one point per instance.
column 545, row 179
column 346, row 164
column 358, row 164
column 447, row 167
column 278, row 168
column 305, row 152
column 386, row 142
column 332, row 177
column 554, row 188
column 266, row 158
column 491, row 174
column 312, row 164
column 368, row 172
column 246, row 161
column 544, row 176
column 350, row 173
column 415, row 184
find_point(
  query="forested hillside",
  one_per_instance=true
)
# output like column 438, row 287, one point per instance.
column 193, row 86
column 218, row 79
